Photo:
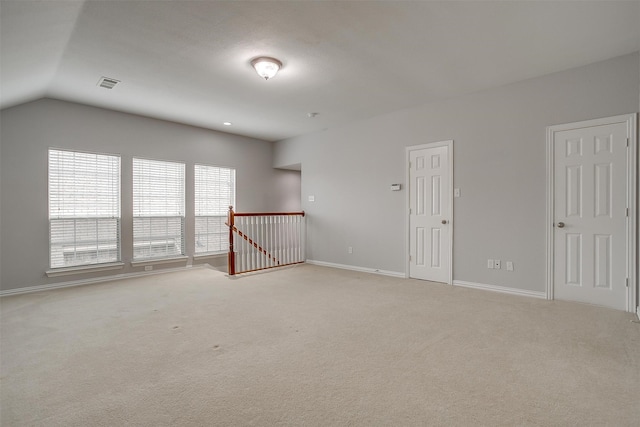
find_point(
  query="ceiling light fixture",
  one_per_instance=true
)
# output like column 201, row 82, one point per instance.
column 266, row 67
column 227, row 123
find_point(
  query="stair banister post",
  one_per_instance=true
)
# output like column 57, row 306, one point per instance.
column 232, row 256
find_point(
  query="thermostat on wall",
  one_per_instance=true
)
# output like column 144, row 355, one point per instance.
column 395, row 187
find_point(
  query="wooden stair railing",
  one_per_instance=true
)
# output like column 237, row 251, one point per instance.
column 262, row 240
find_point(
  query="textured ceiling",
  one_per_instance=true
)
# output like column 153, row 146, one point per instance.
column 189, row 61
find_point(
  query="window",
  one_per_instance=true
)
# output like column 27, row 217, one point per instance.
column 215, row 191
column 158, row 209
column 84, row 208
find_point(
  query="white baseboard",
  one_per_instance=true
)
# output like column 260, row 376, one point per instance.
column 356, row 268
column 493, row 288
column 501, row 289
column 51, row 286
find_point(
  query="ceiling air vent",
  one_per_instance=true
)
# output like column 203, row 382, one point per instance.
column 107, row 82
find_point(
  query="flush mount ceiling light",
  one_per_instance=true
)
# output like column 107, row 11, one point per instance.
column 266, row 67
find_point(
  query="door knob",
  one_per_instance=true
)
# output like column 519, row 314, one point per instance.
column 561, row 225
column 444, row 221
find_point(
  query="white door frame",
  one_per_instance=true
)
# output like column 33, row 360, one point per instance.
column 632, row 200
column 449, row 235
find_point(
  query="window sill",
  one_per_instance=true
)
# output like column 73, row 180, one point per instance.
column 80, row 269
column 153, row 261
column 211, row 255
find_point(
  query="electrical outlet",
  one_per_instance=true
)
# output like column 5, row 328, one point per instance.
column 509, row 265
column 496, row 264
column 350, row 250
column 148, row 267
column 489, row 263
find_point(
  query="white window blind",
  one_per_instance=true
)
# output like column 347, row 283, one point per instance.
column 215, row 191
column 158, row 209
column 84, row 208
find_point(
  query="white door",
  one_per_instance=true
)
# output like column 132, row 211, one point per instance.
column 430, row 212
column 590, row 215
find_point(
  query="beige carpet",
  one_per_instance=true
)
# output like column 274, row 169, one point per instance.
column 311, row 346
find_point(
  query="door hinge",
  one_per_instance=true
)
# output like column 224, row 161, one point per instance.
column 409, row 258
column 627, row 280
column 627, row 142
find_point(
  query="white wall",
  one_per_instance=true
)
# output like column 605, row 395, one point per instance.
column 499, row 154
column 27, row 131
column 288, row 183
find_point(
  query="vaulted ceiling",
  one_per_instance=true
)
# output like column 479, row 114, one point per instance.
column 189, row 61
